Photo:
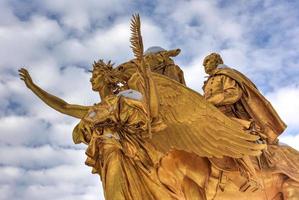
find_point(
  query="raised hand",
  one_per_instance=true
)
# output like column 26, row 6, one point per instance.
column 54, row 102
column 25, row 76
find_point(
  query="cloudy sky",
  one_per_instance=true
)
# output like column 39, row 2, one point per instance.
column 57, row 40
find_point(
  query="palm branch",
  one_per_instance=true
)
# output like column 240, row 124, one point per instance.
column 137, row 47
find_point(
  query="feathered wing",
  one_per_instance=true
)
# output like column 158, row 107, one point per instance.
column 194, row 125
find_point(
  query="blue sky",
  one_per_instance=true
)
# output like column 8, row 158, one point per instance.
column 57, row 40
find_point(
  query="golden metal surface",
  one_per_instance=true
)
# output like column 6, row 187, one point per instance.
column 151, row 137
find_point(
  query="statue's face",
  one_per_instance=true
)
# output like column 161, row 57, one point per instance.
column 97, row 81
column 107, row 84
column 210, row 63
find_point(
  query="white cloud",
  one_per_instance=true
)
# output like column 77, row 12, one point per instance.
column 9, row 175
column 62, row 182
column 26, row 42
column 6, row 192
column 82, row 14
column 285, row 100
column 111, row 43
column 194, row 75
column 17, row 130
column 291, row 140
column 7, row 15
column 39, row 157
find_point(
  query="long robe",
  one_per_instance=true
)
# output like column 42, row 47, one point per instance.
column 237, row 97
column 241, row 99
column 119, row 151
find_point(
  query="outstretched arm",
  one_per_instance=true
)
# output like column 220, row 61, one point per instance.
column 51, row 100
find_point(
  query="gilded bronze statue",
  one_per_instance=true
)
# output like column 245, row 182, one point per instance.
column 151, row 137
column 238, row 98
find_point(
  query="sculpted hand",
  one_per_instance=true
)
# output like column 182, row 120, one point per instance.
column 54, row 102
column 25, row 76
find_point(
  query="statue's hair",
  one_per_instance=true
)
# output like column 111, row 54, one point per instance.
column 102, row 66
column 215, row 56
column 110, row 75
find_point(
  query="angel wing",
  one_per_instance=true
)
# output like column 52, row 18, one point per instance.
column 195, row 125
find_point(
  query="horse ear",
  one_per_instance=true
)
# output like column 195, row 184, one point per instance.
column 174, row 52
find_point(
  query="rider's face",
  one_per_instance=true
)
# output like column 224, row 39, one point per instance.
column 209, row 64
